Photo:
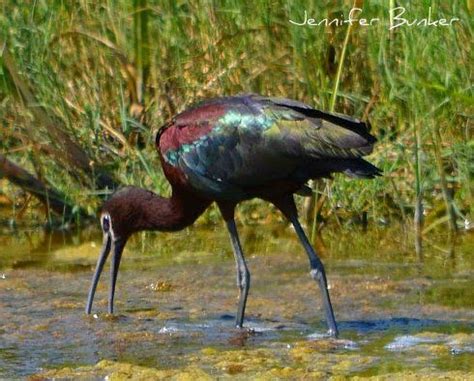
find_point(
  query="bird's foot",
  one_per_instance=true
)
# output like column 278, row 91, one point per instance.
column 240, row 327
column 333, row 333
column 241, row 336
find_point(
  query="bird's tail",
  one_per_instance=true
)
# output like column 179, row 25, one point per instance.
column 359, row 168
column 356, row 167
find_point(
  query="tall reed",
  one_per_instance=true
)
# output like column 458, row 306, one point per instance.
column 88, row 64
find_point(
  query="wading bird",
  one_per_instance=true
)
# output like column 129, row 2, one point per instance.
column 232, row 149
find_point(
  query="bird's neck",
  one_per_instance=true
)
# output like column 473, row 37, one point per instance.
column 174, row 213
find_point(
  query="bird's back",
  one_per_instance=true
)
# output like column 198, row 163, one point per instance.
column 235, row 147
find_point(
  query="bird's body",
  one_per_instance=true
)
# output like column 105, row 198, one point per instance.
column 231, row 149
column 237, row 148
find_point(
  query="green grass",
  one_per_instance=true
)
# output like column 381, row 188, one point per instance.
column 92, row 65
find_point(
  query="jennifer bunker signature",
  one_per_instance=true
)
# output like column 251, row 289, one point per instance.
column 396, row 20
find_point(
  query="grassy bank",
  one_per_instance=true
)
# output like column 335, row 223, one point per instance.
column 109, row 73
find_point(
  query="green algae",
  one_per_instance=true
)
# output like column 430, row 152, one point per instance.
column 300, row 362
column 454, row 294
column 175, row 306
column 115, row 371
column 421, row 375
column 304, row 359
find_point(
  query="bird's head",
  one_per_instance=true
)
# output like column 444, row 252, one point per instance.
column 122, row 215
column 126, row 212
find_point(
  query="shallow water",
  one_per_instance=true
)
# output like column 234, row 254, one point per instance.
column 400, row 315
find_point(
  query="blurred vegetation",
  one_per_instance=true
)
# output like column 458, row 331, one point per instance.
column 85, row 85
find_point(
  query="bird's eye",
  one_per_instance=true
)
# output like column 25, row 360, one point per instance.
column 106, row 223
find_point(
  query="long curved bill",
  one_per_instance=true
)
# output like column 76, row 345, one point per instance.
column 104, row 253
column 107, row 246
column 114, row 267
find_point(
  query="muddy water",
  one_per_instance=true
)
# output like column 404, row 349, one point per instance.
column 400, row 316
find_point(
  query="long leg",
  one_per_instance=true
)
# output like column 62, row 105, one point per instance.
column 243, row 274
column 317, row 273
column 287, row 205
